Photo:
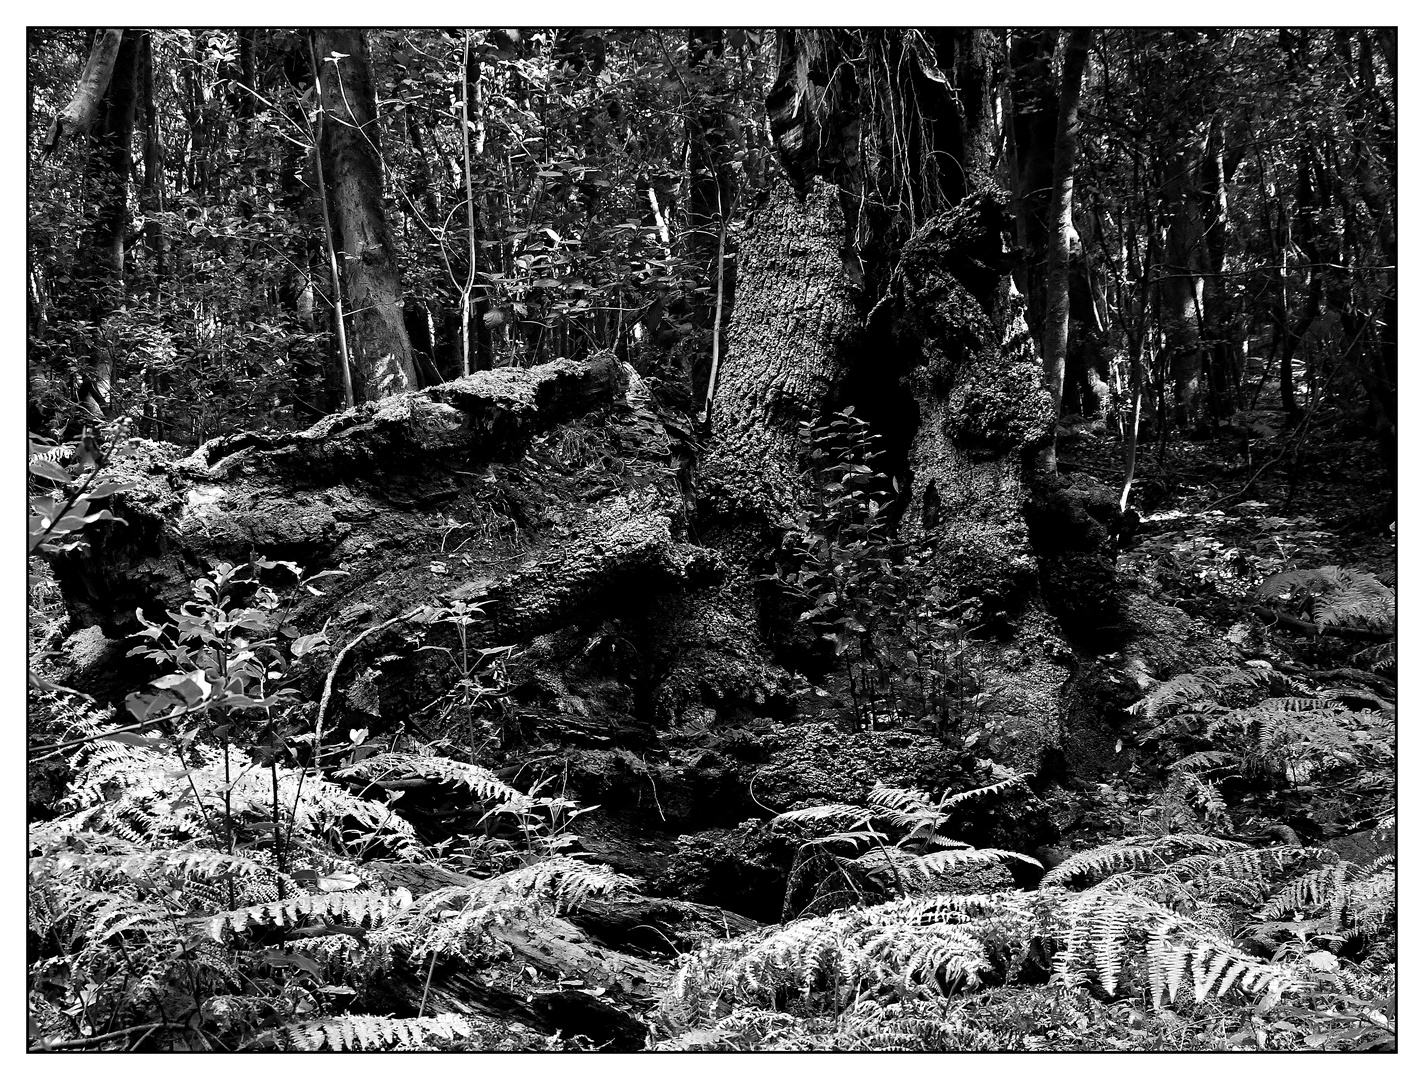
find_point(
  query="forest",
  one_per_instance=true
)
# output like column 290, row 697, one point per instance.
column 711, row 539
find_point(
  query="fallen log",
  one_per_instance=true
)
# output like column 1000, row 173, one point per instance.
column 569, row 1012
column 529, row 498
column 343, row 493
column 657, row 925
column 1305, row 626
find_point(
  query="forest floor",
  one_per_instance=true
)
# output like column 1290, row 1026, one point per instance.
column 1217, row 517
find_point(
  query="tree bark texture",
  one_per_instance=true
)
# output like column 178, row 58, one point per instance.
column 114, row 143
column 786, row 347
column 151, row 198
column 1034, row 122
column 103, row 269
column 786, row 352
column 380, row 348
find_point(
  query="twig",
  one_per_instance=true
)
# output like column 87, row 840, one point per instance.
column 95, row 1040
column 331, row 681
column 717, row 311
column 430, row 974
column 1305, row 626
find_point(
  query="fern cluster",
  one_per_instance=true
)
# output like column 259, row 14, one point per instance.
column 1333, row 596
column 1339, row 898
column 156, row 793
column 927, row 948
column 457, row 920
column 1158, row 917
column 1255, row 722
column 894, row 844
column 160, row 893
column 867, row 1025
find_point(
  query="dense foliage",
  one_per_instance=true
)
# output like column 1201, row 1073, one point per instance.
column 216, row 864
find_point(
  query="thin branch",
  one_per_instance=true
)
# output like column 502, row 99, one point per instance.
column 95, row 1040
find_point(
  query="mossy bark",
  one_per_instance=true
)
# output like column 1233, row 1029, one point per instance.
column 485, row 490
column 983, row 413
column 787, row 345
column 786, row 348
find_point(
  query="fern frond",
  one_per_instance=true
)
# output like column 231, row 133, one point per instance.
column 349, row 908
column 455, row 919
column 401, row 766
column 1243, row 876
column 1204, row 684
column 939, row 861
column 364, row 1032
column 1105, row 932
column 198, row 863
column 1334, row 596
column 126, row 915
column 1207, row 759
column 998, row 787
column 858, row 815
column 906, row 800
column 1360, row 900
column 1134, row 853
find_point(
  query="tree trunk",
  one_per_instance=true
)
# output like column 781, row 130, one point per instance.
column 79, row 115
column 1217, row 323
column 1183, row 265
column 1035, row 127
column 1065, row 159
column 380, row 349
column 114, row 144
column 151, row 198
column 102, row 269
column 786, row 348
column 960, row 404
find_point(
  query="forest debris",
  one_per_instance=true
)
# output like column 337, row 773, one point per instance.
column 1305, row 626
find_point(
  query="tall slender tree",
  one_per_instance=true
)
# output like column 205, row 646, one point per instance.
column 1060, row 217
column 380, row 347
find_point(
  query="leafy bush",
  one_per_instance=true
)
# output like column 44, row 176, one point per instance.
column 856, row 588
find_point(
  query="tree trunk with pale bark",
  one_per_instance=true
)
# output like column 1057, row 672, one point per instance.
column 381, row 359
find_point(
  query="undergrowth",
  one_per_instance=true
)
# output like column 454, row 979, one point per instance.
column 202, row 886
